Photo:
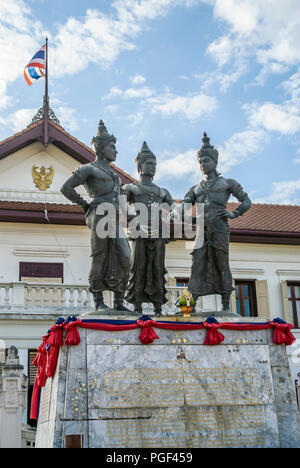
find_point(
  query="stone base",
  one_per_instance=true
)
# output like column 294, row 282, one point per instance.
column 115, row 392
column 113, row 313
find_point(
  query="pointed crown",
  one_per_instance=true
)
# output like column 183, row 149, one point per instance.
column 144, row 154
column 207, row 149
column 102, row 139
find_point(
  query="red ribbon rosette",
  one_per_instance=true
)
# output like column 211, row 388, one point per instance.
column 282, row 332
column 40, row 362
column 54, row 342
column 147, row 334
column 213, row 336
column 73, row 337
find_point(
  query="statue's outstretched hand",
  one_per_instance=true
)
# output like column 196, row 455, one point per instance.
column 86, row 206
column 226, row 214
column 173, row 215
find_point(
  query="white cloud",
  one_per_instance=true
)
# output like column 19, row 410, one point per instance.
column 237, row 149
column 240, row 147
column 100, row 38
column 180, row 166
column 222, row 79
column 292, row 87
column 137, row 79
column 221, row 49
column 192, row 107
column 273, row 68
column 138, row 93
column 136, row 118
column 130, row 93
column 283, row 193
column 268, row 31
column 67, row 118
column 242, row 15
column 18, row 120
column 114, row 92
column 94, row 38
column 19, row 40
column 97, row 38
column 283, row 118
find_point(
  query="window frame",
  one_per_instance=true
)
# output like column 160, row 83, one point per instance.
column 48, row 270
column 294, row 300
column 183, row 280
column 30, row 422
column 252, row 297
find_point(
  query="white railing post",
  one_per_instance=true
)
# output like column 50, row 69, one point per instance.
column 18, row 294
column 6, row 298
column 46, row 297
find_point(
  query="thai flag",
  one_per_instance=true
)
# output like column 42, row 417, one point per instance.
column 36, row 67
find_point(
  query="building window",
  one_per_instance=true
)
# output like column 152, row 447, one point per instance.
column 294, row 302
column 41, row 272
column 245, row 298
column 182, row 282
column 32, row 370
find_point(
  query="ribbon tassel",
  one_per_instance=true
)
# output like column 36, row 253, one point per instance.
column 73, row 337
column 147, row 334
column 282, row 332
column 213, row 336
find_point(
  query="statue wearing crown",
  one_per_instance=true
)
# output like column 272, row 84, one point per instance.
column 110, row 249
column 147, row 275
column 210, row 264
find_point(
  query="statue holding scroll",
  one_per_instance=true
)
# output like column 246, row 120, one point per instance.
column 110, row 254
column 147, row 275
column 210, row 264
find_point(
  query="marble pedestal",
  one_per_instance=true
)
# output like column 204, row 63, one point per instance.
column 114, row 391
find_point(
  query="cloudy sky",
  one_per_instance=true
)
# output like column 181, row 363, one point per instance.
column 164, row 71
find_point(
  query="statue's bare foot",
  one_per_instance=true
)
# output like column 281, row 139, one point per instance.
column 99, row 303
column 157, row 309
column 138, row 309
column 121, row 307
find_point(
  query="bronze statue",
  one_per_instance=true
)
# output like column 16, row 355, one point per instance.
column 147, row 276
column 210, row 265
column 110, row 255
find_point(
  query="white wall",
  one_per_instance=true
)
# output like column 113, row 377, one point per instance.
column 16, row 182
column 21, row 242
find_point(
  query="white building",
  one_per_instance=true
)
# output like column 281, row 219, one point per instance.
column 45, row 251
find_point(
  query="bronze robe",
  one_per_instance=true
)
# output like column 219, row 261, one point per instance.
column 210, row 265
column 110, row 255
column 147, row 281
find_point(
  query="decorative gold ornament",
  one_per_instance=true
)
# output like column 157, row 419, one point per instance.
column 186, row 311
column 42, row 179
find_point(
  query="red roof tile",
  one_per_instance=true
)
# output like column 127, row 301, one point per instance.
column 268, row 217
column 31, row 206
column 260, row 217
column 59, row 137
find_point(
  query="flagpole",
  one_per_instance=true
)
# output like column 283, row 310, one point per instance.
column 46, row 99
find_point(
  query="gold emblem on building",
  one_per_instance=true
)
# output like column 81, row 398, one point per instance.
column 44, row 178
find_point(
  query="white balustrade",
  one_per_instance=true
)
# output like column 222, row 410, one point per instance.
column 70, row 296
column 36, row 196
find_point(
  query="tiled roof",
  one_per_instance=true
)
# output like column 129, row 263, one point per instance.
column 31, row 206
column 80, row 150
column 260, row 217
column 268, row 217
column 25, row 130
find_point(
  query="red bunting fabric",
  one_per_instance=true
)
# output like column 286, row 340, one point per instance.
column 147, row 334
column 213, row 337
column 47, row 355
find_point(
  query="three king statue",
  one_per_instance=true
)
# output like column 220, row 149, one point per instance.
column 139, row 275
